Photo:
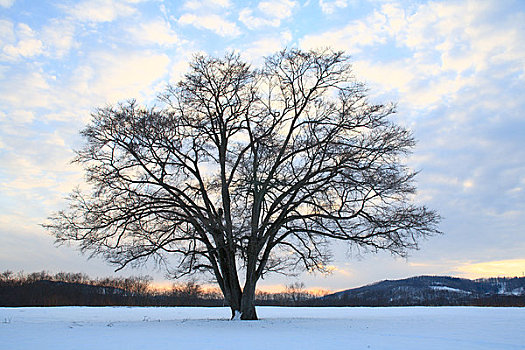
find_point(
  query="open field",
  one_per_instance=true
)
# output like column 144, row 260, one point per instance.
column 279, row 328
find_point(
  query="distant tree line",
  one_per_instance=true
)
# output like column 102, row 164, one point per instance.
column 77, row 289
column 64, row 289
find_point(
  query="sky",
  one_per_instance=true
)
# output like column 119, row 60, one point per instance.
column 456, row 70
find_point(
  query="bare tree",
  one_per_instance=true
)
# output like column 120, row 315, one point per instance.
column 189, row 289
column 245, row 171
column 296, row 292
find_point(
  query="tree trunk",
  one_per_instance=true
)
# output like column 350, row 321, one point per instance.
column 248, row 310
column 233, row 296
column 248, row 301
column 231, row 288
column 241, row 301
column 242, row 304
column 243, row 307
column 235, row 303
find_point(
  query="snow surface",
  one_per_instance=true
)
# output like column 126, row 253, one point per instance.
column 279, row 328
column 449, row 289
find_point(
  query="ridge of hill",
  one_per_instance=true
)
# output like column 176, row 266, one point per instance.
column 433, row 291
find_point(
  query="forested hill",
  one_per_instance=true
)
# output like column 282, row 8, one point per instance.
column 434, row 291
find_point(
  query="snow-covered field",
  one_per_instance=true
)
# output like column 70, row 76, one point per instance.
column 116, row 328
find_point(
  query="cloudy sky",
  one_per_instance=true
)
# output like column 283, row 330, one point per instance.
column 455, row 68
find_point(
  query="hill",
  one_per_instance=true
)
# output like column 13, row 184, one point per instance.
column 433, row 291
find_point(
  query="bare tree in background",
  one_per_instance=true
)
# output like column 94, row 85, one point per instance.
column 296, row 292
column 241, row 172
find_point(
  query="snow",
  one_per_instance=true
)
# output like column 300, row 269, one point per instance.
column 449, row 289
column 237, row 316
column 279, row 328
column 516, row 291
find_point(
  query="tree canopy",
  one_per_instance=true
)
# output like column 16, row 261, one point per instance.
column 242, row 171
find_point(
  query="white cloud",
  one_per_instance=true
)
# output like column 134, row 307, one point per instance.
column 31, row 90
column 58, row 37
column 449, row 45
column 252, row 22
column 272, row 13
column 7, row 3
column 55, row 39
column 265, row 46
column 27, row 46
column 351, row 38
column 330, row 6
column 123, row 76
column 156, row 32
column 100, row 10
column 43, row 165
column 7, row 32
column 222, row 3
column 215, row 23
column 178, row 69
column 460, row 32
column 392, row 75
column 36, row 169
column 102, row 78
column 280, row 9
column 198, row 4
column 21, row 116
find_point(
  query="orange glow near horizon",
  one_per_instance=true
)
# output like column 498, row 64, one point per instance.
column 275, row 288
column 280, row 288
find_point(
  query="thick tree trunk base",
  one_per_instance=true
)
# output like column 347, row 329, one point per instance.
column 248, row 314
